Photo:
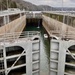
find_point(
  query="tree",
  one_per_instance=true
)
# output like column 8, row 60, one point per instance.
column 10, row 4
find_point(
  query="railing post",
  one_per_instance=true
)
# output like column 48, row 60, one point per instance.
column 5, row 62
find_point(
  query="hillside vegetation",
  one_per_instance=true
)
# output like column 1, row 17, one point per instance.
column 22, row 5
column 3, row 4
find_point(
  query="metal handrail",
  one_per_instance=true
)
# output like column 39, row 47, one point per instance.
column 7, row 37
column 69, row 35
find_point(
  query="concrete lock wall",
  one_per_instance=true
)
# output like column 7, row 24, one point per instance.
column 14, row 26
column 52, row 24
column 59, row 54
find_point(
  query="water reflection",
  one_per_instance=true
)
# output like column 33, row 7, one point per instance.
column 45, row 53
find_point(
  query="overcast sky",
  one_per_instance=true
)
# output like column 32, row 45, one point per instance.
column 54, row 3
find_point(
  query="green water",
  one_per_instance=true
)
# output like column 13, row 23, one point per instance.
column 44, row 51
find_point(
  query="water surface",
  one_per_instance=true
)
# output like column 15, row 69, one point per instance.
column 44, row 51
